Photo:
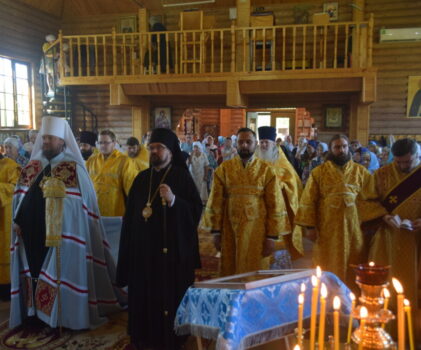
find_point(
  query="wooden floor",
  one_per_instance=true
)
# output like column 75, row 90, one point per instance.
column 4, row 311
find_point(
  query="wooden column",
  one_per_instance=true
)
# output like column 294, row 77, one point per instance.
column 243, row 20
column 225, row 122
column 234, row 96
column 141, row 119
column 359, row 120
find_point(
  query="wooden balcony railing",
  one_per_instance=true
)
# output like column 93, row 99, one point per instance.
column 338, row 46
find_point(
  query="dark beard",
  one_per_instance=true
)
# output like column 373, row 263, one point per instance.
column 86, row 154
column 244, row 154
column 340, row 160
column 50, row 154
column 156, row 161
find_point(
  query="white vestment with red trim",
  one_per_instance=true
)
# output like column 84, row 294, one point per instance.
column 87, row 267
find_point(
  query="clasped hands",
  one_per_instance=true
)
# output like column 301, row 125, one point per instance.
column 166, row 193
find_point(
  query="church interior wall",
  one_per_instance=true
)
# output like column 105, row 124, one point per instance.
column 23, row 31
column 395, row 62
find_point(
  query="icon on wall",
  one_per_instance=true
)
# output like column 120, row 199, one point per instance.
column 162, row 117
column 331, row 8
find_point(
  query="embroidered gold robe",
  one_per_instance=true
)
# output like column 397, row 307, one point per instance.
column 329, row 203
column 112, row 178
column 9, row 175
column 246, row 206
column 399, row 248
column 292, row 189
column 141, row 161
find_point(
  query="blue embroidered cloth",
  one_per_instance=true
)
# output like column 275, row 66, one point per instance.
column 239, row 319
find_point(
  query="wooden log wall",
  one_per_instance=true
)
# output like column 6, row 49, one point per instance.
column 23, row 30
column 97, row 99
column 395, row 62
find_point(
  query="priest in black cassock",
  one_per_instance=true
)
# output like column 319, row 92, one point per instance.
column 159, row 248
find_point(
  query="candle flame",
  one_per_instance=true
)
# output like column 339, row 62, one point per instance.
column 363, row 312
column 318, row 272
column 397, row 285
column 303, row 287
column 371, row 263
column 352, row 296
column 297, row 347
column 386, row 293
column 300, row 299
column 323, row 291
column 406, row 302
column 314, row 281
column 336, row 303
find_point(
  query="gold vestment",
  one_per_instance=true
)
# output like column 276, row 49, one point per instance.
column 9, row 176
column 112, row 178
column 246, row 206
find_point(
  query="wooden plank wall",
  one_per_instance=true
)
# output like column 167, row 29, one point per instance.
column 23, row 30
column 395, row 62
column 97, row 98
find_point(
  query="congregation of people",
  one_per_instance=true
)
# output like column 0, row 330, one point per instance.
column 258, row 195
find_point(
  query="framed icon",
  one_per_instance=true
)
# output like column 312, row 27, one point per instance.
column 331, row 8
column 334, row 117
column 127, row 24
column 162, row 117
column 413, row 108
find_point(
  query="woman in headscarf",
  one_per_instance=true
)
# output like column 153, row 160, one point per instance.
column 14, row 150
column 199, row 165
column 366, row 158
column 309, row 160
column 322, row 150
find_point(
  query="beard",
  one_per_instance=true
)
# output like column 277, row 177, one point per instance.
column 50, row 153
column 157, row 161
column 340, row 160
column 271, row 154
column 86, row 154
column 245, row 154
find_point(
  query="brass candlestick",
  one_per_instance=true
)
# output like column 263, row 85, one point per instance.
column 372, row 279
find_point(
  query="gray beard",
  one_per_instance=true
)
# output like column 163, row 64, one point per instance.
column 271, row 155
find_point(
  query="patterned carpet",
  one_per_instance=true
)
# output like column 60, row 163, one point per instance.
column 111, row 336
column 210, row 263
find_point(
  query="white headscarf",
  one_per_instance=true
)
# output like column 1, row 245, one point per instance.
column 198, row 144
column 58, row 127
column 12, row 141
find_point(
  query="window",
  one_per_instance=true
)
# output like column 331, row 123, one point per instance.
column 15, row 93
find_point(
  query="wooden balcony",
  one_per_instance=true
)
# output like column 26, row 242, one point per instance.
column 339, row 49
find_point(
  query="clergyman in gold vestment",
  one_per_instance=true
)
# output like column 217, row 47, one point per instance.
column 112, row 174
column 291, row 185
column 246, row 211
column 328, row 209
column 399, row 187
column 138, row 154
column 9, row 175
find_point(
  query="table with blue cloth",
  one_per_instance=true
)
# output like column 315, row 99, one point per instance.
column 239, row 319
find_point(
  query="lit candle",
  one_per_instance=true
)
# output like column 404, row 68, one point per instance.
column 407, row 308
column 336, row 307
column 300, row 318
column 386, row 295
column 323, row 295
column 371, row 263
column 318, row 272
column 297, row 347
column 348, row 338
column 363, row 316
column 401, row 315
column 314, row 302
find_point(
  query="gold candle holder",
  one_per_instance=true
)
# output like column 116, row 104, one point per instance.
column 372, row 279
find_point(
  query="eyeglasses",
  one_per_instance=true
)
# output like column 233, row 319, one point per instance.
column 158, row 148
column 105, row 142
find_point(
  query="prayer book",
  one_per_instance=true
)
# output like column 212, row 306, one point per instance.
column 405, row 223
